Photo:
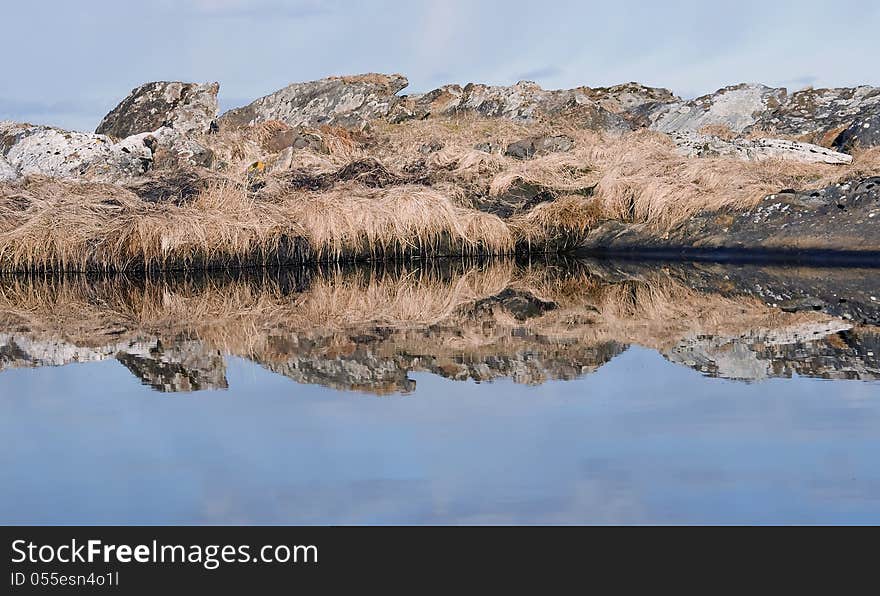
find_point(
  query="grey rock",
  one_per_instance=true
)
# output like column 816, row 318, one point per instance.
column 632, row 101
column 690, row 144
column 7, row 172
column 432, row 147
column 187, row 108
column 47, row 151
column 819, row 115
column 863, row 132
column 520, row 197
column 737, row 107
column 443, row 101
column 838, row 219
column 296, row 138
column 488, row 147
column 540, row 145
column 524, row 102
column 350, row 102
column 173, row 150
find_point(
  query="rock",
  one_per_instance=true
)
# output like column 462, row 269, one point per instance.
column 440, row 102
column 295, row 138
column 836, row 220
column 632, row 101
column 524, row 102
column 863, row 132
column 431, row 147
column 47, row 151
column 520, row 197
column 173, row 150
column 175, row 114
column 349, row 102
column 7, row 172
column 737, row 107
column 540, row 145
column 179, row 186
column 187, row 108
column 819, row 115
column 488, row 147
column 801, row 304
column 691, row 144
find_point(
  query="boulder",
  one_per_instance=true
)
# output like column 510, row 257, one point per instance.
column 863, row 132
column 296, row 138
column 47, row 151
column 520, row 197
column 7, row 172
column 524, row 102
column 737, row 107
column 349, row 102
column 820, row 115
column 690, row 144
column 173, row 150
column 492, row 146
column 835, row 220
column 187, row 108
column 632, row 101
column 443, row 101
column 539, row 145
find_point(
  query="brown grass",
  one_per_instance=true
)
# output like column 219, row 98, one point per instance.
column 637, row 177
column 71, row 228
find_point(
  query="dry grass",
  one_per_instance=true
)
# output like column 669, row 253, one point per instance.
column 70, row 228
column 430, row 209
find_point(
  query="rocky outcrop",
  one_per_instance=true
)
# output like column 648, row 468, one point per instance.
column 632, row 101
column 47, row 151
column 863, row 132
column 349, row 102
column 819, row 115
column 837, row 220
column 523, row 102
column 174, row 150
column 7, row 172
column 736, row 108
column 692, row 144
column 186, row 108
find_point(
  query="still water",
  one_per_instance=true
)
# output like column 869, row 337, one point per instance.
column 584, row 392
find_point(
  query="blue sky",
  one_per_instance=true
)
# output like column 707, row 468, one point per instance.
column 68, row 63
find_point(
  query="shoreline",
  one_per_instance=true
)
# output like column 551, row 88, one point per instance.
column 346, row 168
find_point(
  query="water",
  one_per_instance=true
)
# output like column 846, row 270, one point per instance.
column 586, row 392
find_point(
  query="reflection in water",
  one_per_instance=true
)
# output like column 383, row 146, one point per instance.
column 369, row 329
column 633, row 431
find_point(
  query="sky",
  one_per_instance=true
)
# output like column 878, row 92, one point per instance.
column 68, row 63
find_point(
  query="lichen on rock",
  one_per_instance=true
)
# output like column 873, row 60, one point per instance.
column 187, row 108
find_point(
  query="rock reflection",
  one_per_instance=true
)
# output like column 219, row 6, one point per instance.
column 369, row 328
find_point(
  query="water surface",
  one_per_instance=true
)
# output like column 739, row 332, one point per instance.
column 575, row 392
